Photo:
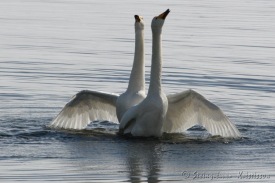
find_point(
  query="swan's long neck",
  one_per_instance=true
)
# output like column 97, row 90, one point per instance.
column 156, row 67
column 137, row 81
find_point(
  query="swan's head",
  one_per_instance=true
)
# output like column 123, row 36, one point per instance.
column 139, row 24
column 158, row 21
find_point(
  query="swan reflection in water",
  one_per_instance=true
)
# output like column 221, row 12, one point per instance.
column 96, row 154
column 144, row 158
column 115, row 157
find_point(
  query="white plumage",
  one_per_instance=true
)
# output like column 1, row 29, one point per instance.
column 84, row 107
column 189, row 108
column 175, row 113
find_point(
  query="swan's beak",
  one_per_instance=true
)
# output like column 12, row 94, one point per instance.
column 164, row 14
column 138, row 18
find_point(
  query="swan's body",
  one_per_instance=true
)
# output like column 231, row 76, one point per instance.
column 87, row 106
column 175, row 113
column 147, row 118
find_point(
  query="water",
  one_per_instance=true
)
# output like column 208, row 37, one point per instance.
column 52, row 49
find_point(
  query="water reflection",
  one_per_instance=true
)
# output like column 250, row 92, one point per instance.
column 99, row 156
column 138, row 159
column 144, row 158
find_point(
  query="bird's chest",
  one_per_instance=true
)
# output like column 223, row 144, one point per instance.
column 158, row 102
column 130, row 99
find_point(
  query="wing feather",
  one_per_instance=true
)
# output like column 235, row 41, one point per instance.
column 84, row 107
column 189, row 108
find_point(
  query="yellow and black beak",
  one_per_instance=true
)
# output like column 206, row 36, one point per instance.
column 164, row 14
column 138, row 18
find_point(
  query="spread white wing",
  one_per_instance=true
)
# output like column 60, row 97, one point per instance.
column 84, row 107
column 189, row 108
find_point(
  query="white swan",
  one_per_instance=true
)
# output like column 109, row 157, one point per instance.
column 176, row 113
column 87, row 106
column 135, row 92
column 147, row 118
